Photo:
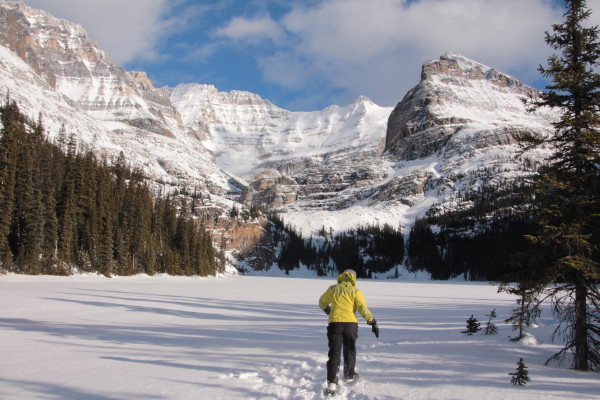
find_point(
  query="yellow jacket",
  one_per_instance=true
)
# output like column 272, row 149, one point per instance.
column 345, row 299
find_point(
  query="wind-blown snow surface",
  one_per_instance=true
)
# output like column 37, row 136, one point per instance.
column 90, row 337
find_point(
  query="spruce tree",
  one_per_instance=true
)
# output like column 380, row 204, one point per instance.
column 50, row 230
column 48, row 182
column 23, row 200
column 521, row 377
column 182, row 241
column 104, row 255
column 88, row 220
column 59, row 210
column 566, row 207
column 490, row 327
column 526, row 310
column 8, row 172
column 67, row 219
column 473, row 326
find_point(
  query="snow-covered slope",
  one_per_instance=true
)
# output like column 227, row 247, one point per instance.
column 451, row 134
column 61, row 53
column 455, row 96
column 51, row 69
column 245, row 130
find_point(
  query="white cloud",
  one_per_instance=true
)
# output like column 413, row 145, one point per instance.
column 343, row 48
column 253, row 30
column 376, row 47
column 125, row 29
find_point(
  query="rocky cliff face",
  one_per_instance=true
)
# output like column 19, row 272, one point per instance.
column 246, row 131
column 456, row 94
column 286, row 158
column 71, row 63
column 451, row 134
column 53, row 69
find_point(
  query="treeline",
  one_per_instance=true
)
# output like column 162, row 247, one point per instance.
column 476, row 242
column 63, row 210
column 367, row 249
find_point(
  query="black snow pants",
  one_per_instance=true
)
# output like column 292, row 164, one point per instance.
column 341, row 334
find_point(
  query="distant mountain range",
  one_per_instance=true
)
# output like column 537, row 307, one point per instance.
column 336, row 168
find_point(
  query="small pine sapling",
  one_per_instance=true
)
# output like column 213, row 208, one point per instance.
column 521, row 377
column 490, row 327
column 526, row 310
column 473, row 326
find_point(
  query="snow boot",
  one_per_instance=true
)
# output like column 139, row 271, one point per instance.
column 350, row 379
column 331, row 389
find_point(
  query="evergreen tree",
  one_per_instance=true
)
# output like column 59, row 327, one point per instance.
column 22, row 221
column 141, row 247
column 490, row 327
column 104, row 261
column 473, row 326
column 8, row 171
column 221, row 257
column 526, row 310
column 87, row 210
column 67, row 218
column 566, row 256
column 27, row 222
column 50, row 230
column 423, row 251
column 521, row 377
column 121, row 218
column 182, row 241
column 49, row 180
column 62, row 210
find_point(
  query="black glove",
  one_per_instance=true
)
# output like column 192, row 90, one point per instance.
column 374, row 327
column 327, row 310
column 375, row 330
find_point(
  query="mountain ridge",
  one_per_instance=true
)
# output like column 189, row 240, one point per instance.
column 259, row 131
column 338, row 167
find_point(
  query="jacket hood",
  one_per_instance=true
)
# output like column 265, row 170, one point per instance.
column 346, row 276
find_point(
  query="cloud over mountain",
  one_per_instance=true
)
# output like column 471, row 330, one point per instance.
column 125, row 29
column 306, row 55
column 376, row 47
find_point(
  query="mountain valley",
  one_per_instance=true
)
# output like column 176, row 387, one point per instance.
column 336, row 169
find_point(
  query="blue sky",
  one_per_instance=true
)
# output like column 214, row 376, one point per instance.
column 308, row 54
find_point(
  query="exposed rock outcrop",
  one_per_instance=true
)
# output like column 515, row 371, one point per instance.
column 456, row 93
column 58, row 73
column 451, row 134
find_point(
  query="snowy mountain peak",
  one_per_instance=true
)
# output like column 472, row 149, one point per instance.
column 62, row 54
column 40, row 19
column 209, row 94
column 322, row 168
column 454, row 93
column 245, row 130
column 362, row 99
column 51, row 45
column 454, row 67
column 71, row 82
column 466, row 63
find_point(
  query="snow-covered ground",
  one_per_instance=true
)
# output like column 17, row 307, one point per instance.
column 89, row 337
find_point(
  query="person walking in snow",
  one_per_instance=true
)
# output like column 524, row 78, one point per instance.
column 340, row 302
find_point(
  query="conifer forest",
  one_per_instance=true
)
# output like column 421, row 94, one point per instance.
column 62, row 209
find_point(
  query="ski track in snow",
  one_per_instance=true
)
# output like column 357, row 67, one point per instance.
column 156, row 338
